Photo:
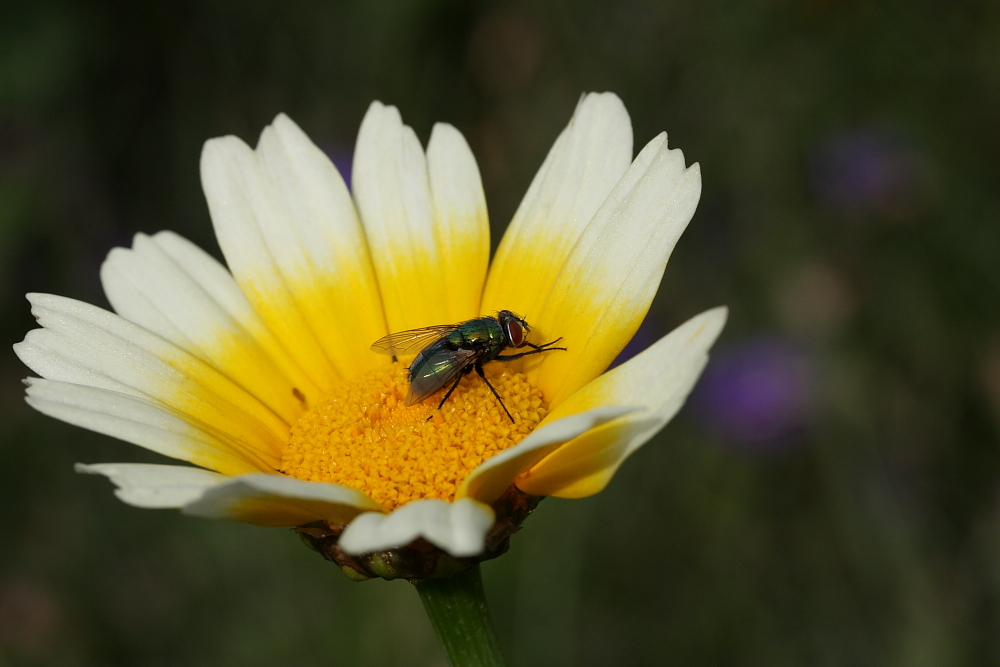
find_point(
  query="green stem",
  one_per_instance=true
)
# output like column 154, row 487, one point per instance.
column 457, row 609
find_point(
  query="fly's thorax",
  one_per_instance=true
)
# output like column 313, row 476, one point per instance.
column 484, row 335
column 456, row 340
column 497, row 341
column 482, row 332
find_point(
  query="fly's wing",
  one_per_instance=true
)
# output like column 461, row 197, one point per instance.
column 411, row 340
column 439, row 368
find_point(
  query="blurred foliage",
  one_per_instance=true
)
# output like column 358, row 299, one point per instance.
column 829, row 497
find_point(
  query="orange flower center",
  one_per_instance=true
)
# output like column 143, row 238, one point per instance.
column 362, row 436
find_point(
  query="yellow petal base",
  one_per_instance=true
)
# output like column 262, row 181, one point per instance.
column 362, row 436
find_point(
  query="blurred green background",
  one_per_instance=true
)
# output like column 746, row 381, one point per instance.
column 831, row 494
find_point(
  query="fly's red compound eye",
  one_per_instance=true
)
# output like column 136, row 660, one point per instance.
column 515, row 332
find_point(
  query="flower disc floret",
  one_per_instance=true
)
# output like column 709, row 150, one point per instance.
column 362, row 436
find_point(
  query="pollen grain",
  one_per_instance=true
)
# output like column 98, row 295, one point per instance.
column 362, row 436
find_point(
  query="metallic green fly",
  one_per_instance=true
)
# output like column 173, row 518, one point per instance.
column 449, row 352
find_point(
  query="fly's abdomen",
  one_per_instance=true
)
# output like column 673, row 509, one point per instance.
column 436, row 366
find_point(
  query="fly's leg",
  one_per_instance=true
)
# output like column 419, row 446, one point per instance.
column 537, row 350
column 479, row 370
column 451, row 389
column 545, row 346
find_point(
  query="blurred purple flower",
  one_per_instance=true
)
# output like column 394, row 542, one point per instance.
column 867, row 170
column 758, row 394
column 342, row 158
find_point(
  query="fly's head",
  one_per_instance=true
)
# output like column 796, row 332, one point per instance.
column 515, row 329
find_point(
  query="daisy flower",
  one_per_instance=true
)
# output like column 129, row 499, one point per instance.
column 260, row 373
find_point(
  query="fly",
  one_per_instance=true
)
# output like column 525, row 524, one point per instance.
column 449, row 352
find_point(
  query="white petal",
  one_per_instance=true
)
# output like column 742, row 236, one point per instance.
column 462, row 227
column 607, row 283
column 291, row 237
column 645, row 379
column 325, row 246
column 392, row 191
column 241, row 202
column 155, row 486
column 582, row 167
column 659, row 379
column 459, row 528
column 492, row 477
column 140, row 298
column 146, row 285
column 141, row 422
column 82, row 344
column 276, row 500
column 216, row 280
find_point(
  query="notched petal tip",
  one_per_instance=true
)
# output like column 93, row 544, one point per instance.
column 152, row 486
column 606, row 104
column 216, row 146
column 459, row 528
column 283, row 121
column 380, row 114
